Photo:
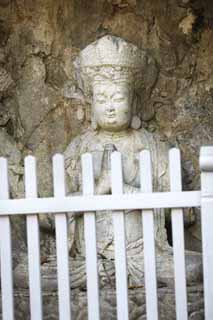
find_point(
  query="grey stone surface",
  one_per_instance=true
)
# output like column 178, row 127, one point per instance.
column 107, row 290
column 108, row 304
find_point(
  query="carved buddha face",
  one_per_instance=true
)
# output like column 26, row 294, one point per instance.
column 112, row 105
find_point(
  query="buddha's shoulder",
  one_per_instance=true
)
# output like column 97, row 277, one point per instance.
column 149, row 140
column 142, row 137
column 79, row 144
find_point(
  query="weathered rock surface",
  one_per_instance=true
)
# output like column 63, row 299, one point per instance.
column 42, row 109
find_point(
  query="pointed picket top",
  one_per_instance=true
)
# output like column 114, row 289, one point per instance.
column 116, row 172
column 30, row 177
column 59, row 184
column 58, row 157
column 86, row 157
column 30, row 160
column 87, row 173
column 206, row 158
column 146, row 171
column 175, row 169
column 3, row 162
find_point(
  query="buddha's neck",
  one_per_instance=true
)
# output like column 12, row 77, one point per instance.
column 110, row 135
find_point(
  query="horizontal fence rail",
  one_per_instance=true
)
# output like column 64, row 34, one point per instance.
column 88, row 203
column 157, row 200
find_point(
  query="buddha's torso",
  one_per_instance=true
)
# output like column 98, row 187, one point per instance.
column 129, row 144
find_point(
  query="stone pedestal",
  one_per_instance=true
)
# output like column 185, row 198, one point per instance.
column 166, row 296
column 108, row 304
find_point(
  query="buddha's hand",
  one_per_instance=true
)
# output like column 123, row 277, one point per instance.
column 103, row 185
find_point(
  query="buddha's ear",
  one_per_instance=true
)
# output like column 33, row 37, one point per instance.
column 135, row 121
column 94, row 123
column 134, row 105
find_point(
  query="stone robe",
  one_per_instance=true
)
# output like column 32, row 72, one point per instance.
column 130, row 145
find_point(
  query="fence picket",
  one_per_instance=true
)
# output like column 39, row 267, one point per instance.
column 178, row 238
column 90, row 242
column 119, row 242
column 117, row 202
column 149, row 240
column 61, row 228
column 206, row 165
column 6, row 249
column 33, row 242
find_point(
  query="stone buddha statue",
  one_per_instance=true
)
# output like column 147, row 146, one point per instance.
column 111, row 72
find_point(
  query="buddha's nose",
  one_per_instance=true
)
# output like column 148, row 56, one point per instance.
column 110, row 107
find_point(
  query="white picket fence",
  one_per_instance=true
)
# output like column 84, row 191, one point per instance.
column 88, row 203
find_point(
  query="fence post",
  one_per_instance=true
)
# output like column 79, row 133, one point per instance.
column 6, row 249
column 119, row 242
column 90, row 241
column 33, row 242
column 149, row 240
column 206, row 165
column 61, row 230
column 178, row 237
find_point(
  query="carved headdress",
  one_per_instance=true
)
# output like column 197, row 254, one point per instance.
column 113, row 59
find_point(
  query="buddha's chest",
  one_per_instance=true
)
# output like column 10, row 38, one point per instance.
column 101, row 161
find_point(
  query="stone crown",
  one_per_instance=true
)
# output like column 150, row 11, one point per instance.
column 111, row 51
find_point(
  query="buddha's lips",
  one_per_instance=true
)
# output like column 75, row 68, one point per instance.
column 110, row 115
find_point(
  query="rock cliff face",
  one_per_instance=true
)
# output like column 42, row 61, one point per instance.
column 41, row 108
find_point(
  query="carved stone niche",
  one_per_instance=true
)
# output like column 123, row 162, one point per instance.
column 114, row 75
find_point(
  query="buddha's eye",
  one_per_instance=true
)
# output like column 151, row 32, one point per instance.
column 118, row 99
column 101, row 101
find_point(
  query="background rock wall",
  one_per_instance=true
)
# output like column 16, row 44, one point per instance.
column 41, row 109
